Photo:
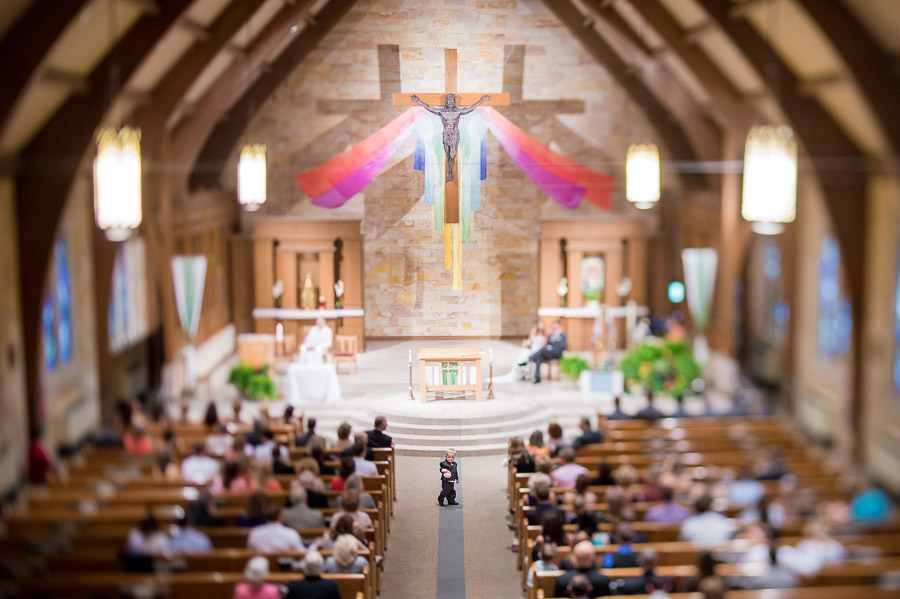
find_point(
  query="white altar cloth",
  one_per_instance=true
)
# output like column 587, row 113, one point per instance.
column 312, row 383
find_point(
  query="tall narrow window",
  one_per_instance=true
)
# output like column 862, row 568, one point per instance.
column 835, row 316
column 56, row 314
column 63, row 303
column 897, row 334
column 48, row 331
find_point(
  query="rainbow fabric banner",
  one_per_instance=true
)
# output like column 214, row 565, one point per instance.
column 332, row 183
column 559, row 177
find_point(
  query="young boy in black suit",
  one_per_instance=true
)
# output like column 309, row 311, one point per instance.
column 449, row 477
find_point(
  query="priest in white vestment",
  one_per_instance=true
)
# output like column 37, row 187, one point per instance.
column 318, row 341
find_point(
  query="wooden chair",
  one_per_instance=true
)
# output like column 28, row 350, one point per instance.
column 344, row 350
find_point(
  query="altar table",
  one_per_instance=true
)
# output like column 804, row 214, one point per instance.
column 312, row 383
column 450, row 354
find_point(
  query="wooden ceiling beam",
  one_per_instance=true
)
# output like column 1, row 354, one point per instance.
column 198, row 30
column 873, row 68
column 72, row 82
column 49, row 164
column 681, row 124
column 598, row 11
column 26, row 44
column 190, row 134
column 216, row 147
column 726, row 98
column 171, row 89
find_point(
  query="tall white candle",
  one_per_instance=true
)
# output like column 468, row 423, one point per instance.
column 492, row 355
column 410, row 357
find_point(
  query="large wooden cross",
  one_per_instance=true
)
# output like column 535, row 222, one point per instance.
column 451, row 189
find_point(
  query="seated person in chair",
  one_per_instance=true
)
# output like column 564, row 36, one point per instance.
column 318, row 340
column 556, row 345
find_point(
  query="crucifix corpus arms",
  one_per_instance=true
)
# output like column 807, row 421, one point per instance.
column 450, row 114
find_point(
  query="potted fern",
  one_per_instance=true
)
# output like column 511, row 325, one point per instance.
column 253, row 384
column 572, row 365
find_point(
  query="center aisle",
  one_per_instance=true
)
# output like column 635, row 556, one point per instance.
column 411, row 568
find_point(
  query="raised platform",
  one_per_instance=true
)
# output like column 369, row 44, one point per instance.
column 380, row 387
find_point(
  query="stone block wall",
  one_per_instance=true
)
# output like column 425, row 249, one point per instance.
column 342, row 93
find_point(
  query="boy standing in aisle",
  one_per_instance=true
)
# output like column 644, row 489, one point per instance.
column 449, row 477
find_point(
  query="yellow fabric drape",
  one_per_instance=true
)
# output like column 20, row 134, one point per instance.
column 457, row 257
column 448, row 245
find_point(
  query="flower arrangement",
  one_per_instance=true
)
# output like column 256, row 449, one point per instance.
column 251, row 383
column 663, row 366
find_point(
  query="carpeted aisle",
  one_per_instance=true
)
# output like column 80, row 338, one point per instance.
column 472, row 539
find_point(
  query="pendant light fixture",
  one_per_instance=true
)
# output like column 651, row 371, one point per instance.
column 642, row 175
column 251, row 168
column 251, row 177
column 117, row 182
column 642, row 163
column 769, row 194
column 117, row 166
column 769, row 197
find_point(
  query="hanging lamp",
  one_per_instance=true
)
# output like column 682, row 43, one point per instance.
column 769, row 197
column 117, row 182
column 642, row 175
column 251, row 177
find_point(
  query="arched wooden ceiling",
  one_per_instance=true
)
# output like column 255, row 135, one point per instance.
column 190, row 71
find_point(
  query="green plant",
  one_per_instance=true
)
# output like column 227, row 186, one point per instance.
column 253, row 384
column 240, row 377
column 261, row 386
column 662, row 366
column 572, row 365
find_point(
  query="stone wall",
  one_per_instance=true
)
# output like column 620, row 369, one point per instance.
column 14, row 427
column 70, row 393
column 342, row 93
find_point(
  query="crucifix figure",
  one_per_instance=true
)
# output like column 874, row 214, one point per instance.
column 449, row 110
column 449, row 114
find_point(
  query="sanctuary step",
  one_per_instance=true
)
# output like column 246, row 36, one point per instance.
column 471, row 427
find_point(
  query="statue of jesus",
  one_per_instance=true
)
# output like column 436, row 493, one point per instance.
column 450, row 114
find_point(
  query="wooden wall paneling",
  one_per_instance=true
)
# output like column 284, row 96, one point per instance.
column 550, row 272
column 242, row 292
column 263, row 258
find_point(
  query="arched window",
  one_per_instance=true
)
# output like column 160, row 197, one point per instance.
column 835, row 316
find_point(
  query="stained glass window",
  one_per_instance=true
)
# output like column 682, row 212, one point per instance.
column 56, row 314
column 835, row 316
column 48, row 328
column 897, row 334
column 63, row 303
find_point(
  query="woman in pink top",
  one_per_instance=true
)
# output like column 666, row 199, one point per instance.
column 256, row 571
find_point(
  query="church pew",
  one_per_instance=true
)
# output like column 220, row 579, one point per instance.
column 114, row 537
column 753, row 422
column 544, row 581
column 694, row 434
column 218, row 560
column 64, row 498
column 705, row 447
column 53, row 520
column 834, row 592
column 848, row 572
column 885, row 538
column 188, row 585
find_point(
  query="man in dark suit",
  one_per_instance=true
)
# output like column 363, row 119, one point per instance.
column 377, row 438
column 588, row 435
column 310, row 434
column 556, row 345
column 648, row 581
column 618, row 413
column 583, row 555
column 360, row 437
column 313, row 586
column 545, row 504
